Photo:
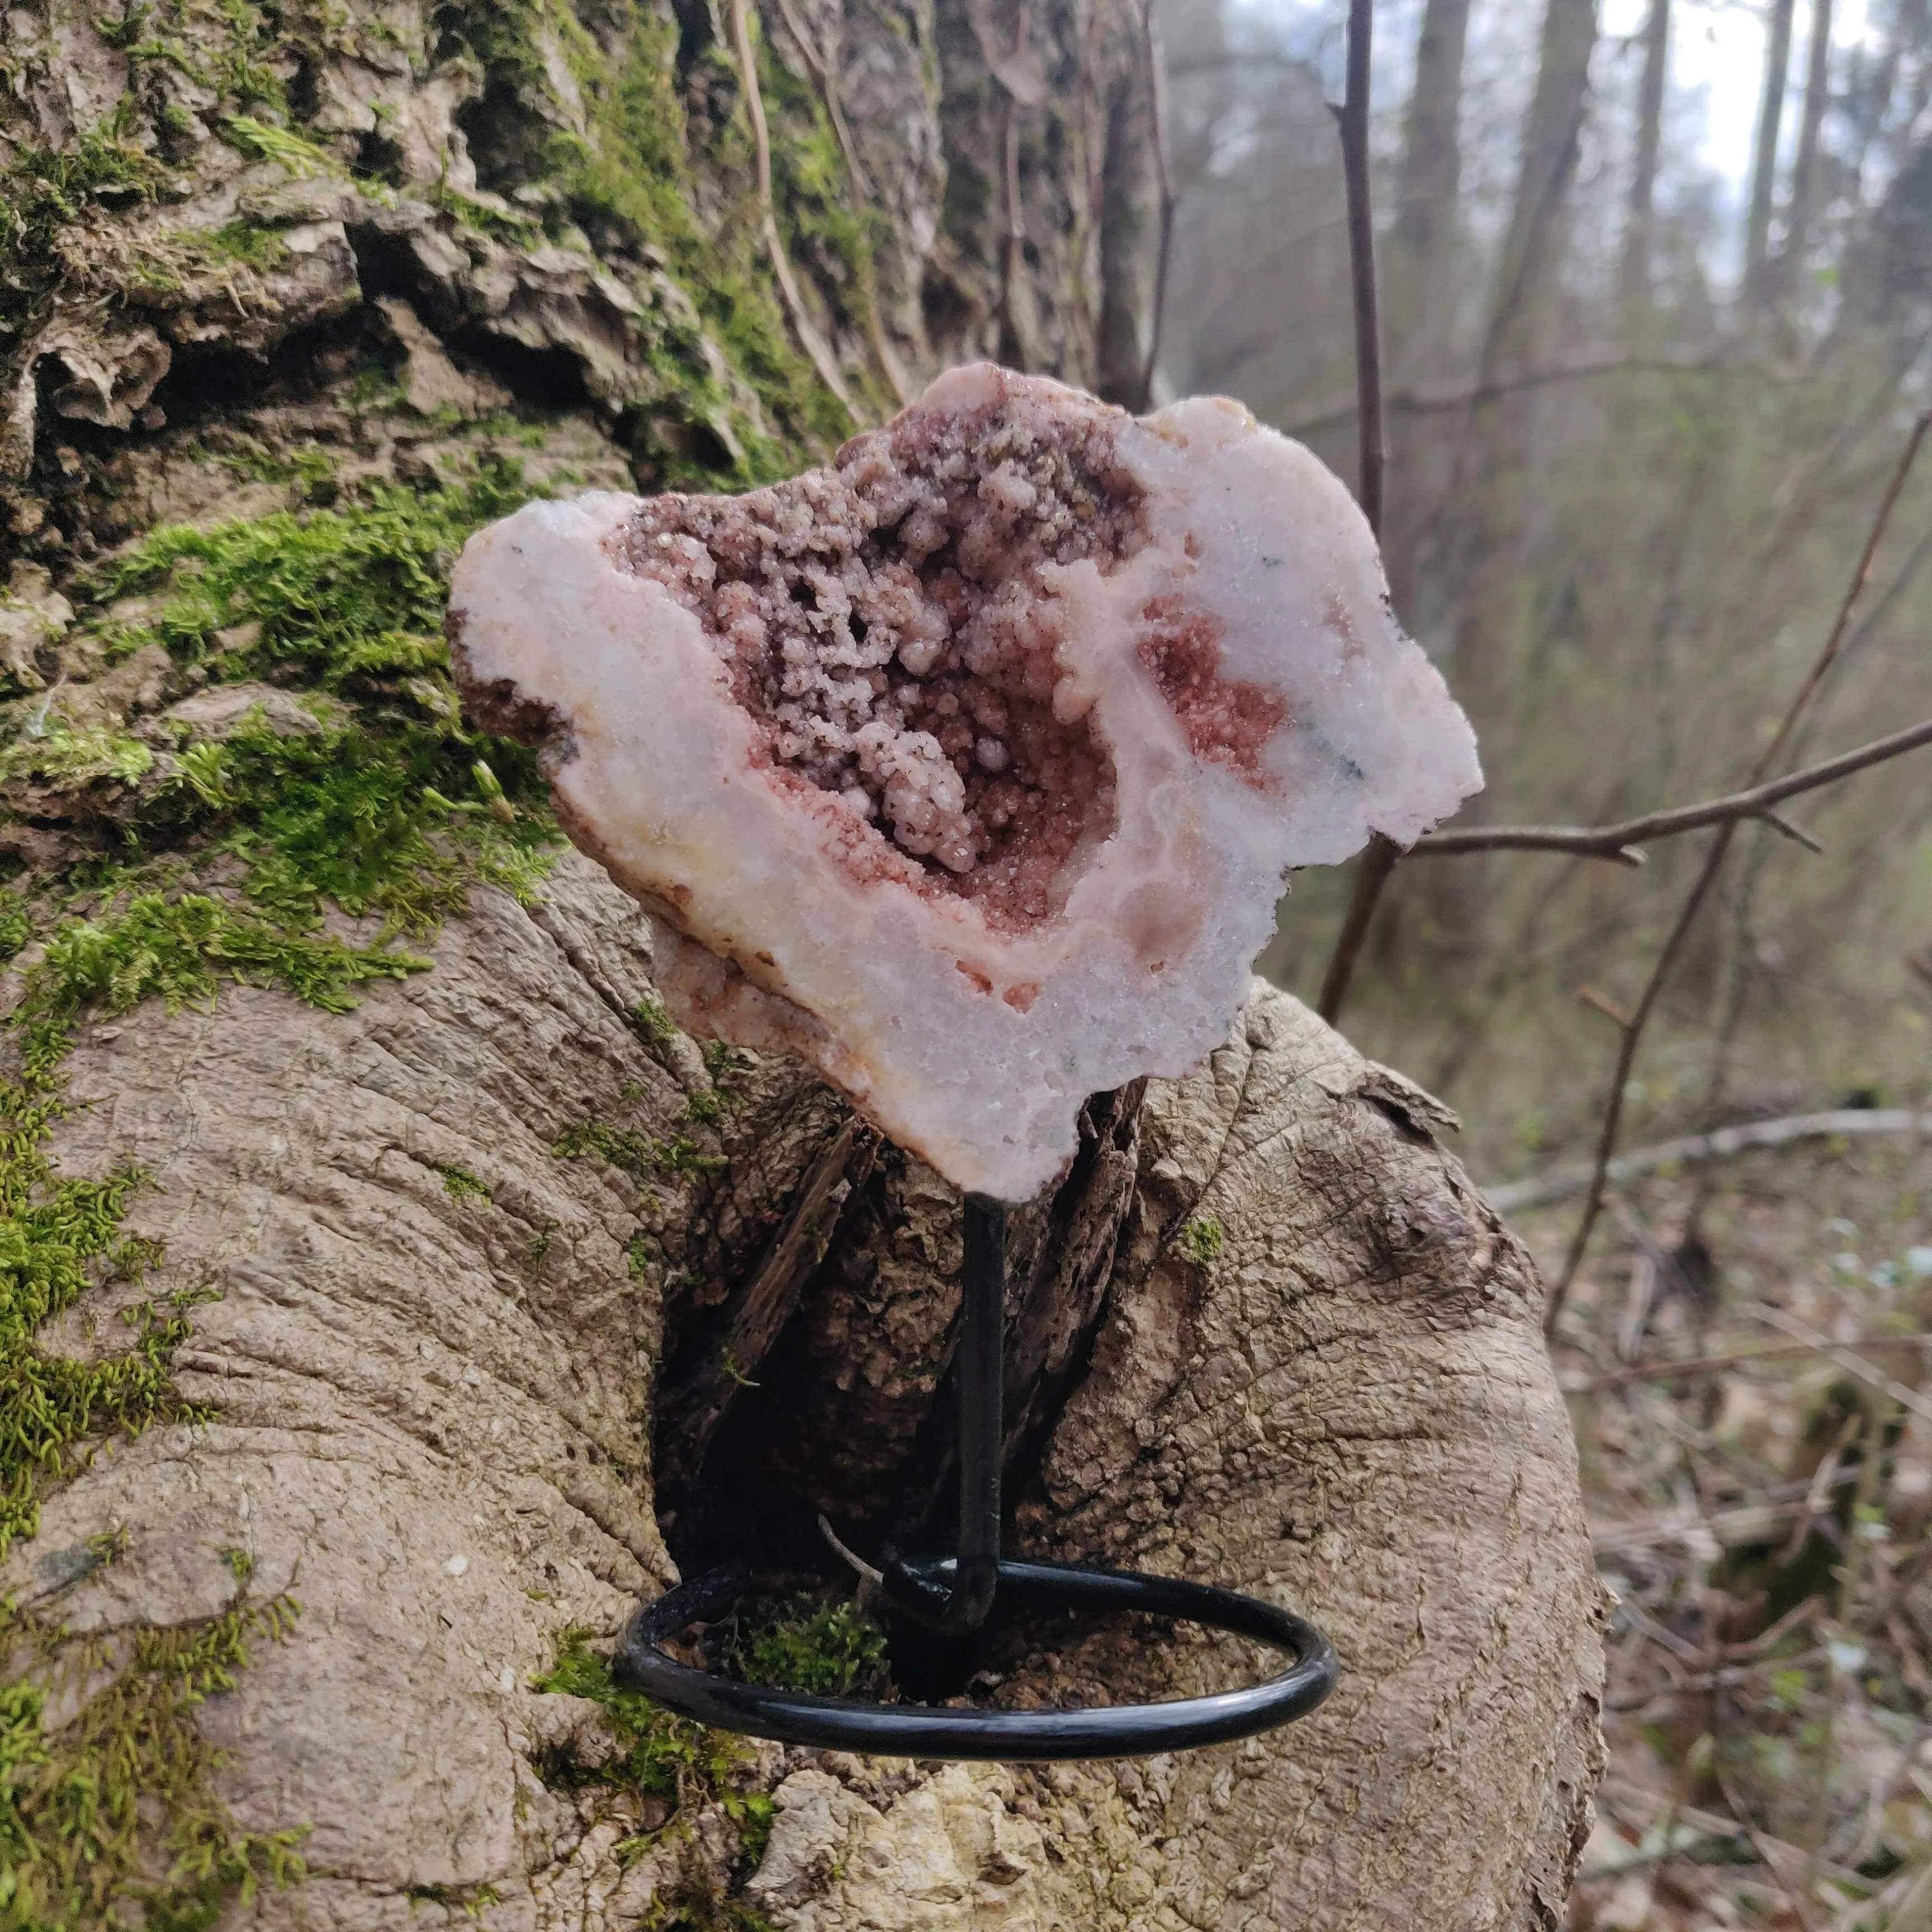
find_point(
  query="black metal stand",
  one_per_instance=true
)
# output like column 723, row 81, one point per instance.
column 953, row 1594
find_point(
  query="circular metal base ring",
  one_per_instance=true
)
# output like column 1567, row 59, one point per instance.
column 1011, row 1737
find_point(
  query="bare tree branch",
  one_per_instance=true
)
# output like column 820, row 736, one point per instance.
column 1438, row 398
column 1352, row 124
column 1852, row 1364
column 1621, row 842
column 1352, row 120
column 1372, row 872
column 1720, row 845
column 1564, row 1183
column 1163, row 156
column 1738, row 1358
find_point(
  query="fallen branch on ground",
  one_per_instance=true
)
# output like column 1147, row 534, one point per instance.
column 1735, row 1528
column 1621, row 841
column 1741, row 1358
column 1852, row 1365
column 1566, row 1183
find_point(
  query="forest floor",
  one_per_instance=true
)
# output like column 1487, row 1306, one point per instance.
column 1769, row 1701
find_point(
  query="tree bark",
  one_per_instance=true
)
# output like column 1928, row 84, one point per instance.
column 477, row 1300
column 1764, row 153
column 1428, row 190
column 1553, row 137
column 1804, row 164
column 1474, row 543
column 1643, row 171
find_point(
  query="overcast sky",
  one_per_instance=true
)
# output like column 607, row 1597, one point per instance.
column 1717, row 54
column 1719, row 49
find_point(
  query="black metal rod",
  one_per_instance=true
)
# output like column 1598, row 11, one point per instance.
column 955, row 1598
column 954, row 1594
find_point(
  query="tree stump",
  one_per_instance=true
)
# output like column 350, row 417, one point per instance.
column 466, row 1301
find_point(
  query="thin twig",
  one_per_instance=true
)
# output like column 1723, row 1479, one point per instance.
column 809, row 338
column 1740, row 1358
column 1800, row 1910
column 1852, row 1364
column 1714, row 860
column 1372, row 872
column 1620, row 842
column 872, row 1575
column 1352, row 125
column 1441, row 398
column 1564, row 1183
column 1352, row 121
column 1163, row 155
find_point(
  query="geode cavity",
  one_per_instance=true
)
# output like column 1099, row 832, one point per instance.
column 970, row 768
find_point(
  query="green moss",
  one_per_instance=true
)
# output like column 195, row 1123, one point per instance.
column 643, row 1158
column 1202, row 1240
column 472, row 1900
column 64, row 755
column 109, row 1546
column 625, row 175
column 46, row 192
column 60, row 1236
column 179, row 949
column 651, row 1020
column 107, row 1818
column 460, row 1184
column 659, row 1755
column 830, row 1650
column 390, row 811
column 262, row 141
column 818, row 217
column 226, row 46
column 248, row 243
column 339, row 595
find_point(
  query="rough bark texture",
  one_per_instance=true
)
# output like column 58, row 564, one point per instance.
column 469, row 1265
column 439, row 1444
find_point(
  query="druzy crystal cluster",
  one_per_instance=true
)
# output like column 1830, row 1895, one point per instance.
column 970, row 768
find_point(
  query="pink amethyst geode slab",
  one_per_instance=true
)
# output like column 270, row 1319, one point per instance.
column 971, row 768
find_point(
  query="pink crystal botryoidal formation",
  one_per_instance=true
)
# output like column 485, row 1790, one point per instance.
column 971, row 768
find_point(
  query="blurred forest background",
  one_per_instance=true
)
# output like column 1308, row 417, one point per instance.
column 1656, row 288
column 1640, row 412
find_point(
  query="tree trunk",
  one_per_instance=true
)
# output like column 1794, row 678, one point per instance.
column 1643, row 172
column 390, row 1295
column 1419, row 300
column 1552, row 137
column 1764, row 155
column 1469, row 557
column 1804, row 164
column 1428, row 190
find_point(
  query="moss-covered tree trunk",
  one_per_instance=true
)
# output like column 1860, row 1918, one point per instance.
column 388, row 1295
